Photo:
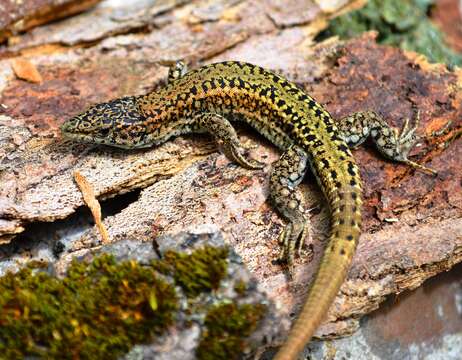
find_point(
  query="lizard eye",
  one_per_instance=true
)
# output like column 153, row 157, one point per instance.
column 104, row 132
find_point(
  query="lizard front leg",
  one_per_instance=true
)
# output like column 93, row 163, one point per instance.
column 176, row 69
column 225, row 135
column 287, row 173
column 356, row 128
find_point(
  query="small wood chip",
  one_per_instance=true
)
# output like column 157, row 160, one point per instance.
column 90, row 199
column 25, row 70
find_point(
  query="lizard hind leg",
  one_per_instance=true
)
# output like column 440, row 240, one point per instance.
column 356, row 128
column 286, row 175
column 225, row 135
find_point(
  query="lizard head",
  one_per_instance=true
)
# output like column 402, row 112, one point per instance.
column 116, row 123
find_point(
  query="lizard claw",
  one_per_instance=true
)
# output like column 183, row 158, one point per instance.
column 292, row 239
column 236, row 153
column 406, row 140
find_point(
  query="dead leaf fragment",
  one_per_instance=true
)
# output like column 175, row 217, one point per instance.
column 25, row 70
column 93, row 204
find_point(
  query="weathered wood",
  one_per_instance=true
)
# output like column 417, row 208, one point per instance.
column 19, row 16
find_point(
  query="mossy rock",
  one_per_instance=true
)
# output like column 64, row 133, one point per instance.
column 98, row 311
column 404, row 24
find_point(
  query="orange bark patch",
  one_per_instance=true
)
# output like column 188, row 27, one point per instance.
column 25, row 70
column 90, row 199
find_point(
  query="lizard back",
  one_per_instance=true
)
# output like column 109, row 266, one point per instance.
column 284, row 114
column 280, row 111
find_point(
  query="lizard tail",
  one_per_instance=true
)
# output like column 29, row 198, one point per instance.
column 345, row 203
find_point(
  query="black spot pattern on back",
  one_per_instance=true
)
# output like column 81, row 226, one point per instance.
column 271, row 104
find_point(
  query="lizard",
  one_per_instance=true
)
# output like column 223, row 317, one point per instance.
column 208, row 99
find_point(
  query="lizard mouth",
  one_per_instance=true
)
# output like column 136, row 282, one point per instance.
column 87, row 138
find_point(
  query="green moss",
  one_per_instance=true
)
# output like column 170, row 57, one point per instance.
column 102, row 308
column 98, row 311
column 202, row 271
column 240, row 287
column 227, row 327
column 400, row 23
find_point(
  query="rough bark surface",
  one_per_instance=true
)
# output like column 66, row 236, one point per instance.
column 412, row 221
column 19, row 16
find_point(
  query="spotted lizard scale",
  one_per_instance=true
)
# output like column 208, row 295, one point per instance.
column 208, row 99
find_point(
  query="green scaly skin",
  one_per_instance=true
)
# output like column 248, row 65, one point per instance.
column 207, row 99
